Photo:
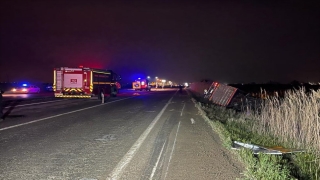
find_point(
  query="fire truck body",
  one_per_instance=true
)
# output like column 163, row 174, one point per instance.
column 141, row 84
column 84, row 82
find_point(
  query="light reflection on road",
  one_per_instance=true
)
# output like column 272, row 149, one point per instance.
column 8, row 95
column 17, row 95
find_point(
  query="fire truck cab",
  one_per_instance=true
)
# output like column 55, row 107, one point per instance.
column 141, row 84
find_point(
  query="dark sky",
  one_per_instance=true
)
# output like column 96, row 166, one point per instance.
column 227, row 41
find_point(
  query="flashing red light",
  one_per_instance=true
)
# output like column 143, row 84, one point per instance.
column 80, row 66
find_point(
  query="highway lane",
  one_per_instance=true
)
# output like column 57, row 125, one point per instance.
column 14, row 100
column 133, row 136
column 38, row 107
column 72, row 146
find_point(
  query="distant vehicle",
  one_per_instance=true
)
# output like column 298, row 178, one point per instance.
column 49, row 88
column 141, row 84
column 85, row 82
column 26, row 89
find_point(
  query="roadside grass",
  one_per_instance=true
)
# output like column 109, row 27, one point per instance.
column 291, row 122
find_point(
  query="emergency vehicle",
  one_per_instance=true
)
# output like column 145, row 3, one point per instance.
column 85, row 82
column 141, row 84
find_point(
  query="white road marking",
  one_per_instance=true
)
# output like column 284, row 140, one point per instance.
column 108, row 137
column 36, row 103
column 182, row 109
column 174, row 144
column 156, row 165
column 38, row 120
column 193, row 121
column 117, row 171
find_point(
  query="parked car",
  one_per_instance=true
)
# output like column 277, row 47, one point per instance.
column 26, row 89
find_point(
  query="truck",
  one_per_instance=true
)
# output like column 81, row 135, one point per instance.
column 141, row 84
column 84, row 82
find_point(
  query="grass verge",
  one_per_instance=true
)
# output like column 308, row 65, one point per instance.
column 258, row 128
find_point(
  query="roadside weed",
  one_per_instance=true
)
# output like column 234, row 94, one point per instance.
column 291, row 122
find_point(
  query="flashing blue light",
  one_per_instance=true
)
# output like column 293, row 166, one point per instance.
column 24, row 85
column 139, row 78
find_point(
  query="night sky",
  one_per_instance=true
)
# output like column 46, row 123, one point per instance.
column 225, row 41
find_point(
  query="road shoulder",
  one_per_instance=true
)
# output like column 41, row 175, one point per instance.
column 199, row 153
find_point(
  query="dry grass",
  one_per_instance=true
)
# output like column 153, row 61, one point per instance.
column 294, row 119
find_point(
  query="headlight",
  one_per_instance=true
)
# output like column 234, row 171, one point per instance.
column 14, row 89
column 24, row 90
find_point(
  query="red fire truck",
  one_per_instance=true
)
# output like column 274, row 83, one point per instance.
column 85, row 82
column 141, row 84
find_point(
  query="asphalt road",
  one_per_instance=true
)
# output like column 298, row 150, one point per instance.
column 137, row 135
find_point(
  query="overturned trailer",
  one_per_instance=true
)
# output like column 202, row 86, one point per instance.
column 230, row 97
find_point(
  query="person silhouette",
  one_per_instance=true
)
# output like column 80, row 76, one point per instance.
column 180, row 88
